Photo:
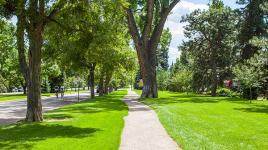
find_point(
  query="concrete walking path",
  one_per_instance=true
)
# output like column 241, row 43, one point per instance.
column 143, row 130
column 15, row 110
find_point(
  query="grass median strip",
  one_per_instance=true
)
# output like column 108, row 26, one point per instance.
column 93, row 124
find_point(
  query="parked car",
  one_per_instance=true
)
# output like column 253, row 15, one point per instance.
column 15, row 90
column 20, row 89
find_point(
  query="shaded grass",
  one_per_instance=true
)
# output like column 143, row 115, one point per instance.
column 93, row 124
column 211, row 123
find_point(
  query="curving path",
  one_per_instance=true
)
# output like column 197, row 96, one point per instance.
column 15, row 110
column 143, row 130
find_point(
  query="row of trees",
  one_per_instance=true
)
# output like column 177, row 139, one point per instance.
column 66, row 40
column 222, row 44
column 9, row 72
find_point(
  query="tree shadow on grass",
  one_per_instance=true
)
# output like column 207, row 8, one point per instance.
column 191, row 98
column 26, row 135
column 255, row 108
column 51, row 115
column 174, row 100
column 99, row 104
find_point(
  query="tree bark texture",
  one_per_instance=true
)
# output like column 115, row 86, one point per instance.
column 107, row 82
column 91, row 79
column 34, row 106
column 101, row 90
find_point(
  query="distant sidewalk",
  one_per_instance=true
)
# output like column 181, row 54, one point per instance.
column 15, row 110
column 143, row 130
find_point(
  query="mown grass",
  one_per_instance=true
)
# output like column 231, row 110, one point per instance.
column 212, row 123
column 73, row 91
column 20, row 96
column 23, row 96
column 93, row 124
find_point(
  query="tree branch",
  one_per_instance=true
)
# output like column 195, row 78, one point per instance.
column 148, row 24
column 133, row 29
column 56, row 8
column 20, row 38
column 159, row 27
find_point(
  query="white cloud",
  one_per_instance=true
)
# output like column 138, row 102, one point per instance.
column 190, row 6
column 176, row 28
column 173, row 54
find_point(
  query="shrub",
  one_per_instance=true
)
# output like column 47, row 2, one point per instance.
column 224, row 92
column 227, row 92
column 181, row 81
column 162, row 79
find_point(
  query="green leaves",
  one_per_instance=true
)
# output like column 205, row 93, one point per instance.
column 252, row 73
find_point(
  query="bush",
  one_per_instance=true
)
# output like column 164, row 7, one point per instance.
column 227, row 92
column 181, row 81
column 162, row 79
column 224, row 92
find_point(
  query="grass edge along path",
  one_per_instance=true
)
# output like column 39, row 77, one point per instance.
column 93, row 124
column 211, row 123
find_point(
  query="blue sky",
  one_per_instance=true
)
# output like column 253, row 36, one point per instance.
column 176, row 28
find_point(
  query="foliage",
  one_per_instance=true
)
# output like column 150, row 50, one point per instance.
column 181, row 81
column 162, row 50
column 9, row 73
column 227, row 92
column 87, row 40
column 253, row 73
column 163, row 79
column 252, row 25
column 211, row 43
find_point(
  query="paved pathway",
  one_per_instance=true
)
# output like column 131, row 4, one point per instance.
column 13, row 111
column 143, row 130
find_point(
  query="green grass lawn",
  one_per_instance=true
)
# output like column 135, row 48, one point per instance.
column 94, row 124
column 213, row 123
column 73, row 91
column 23, row 96
column 20, row 96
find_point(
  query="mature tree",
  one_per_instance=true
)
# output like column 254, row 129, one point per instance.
column 146, row 31
column 211, row 39
column 32, row 17
column 253, row 24
column 253, row 73
column 92, row 39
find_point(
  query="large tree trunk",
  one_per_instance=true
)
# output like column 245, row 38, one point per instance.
column 146, row 41
column 34, row 106
column 214, row 80
column 91, row 80
column 23, row 85
column 35, row 30
column 101, row 90
column 148, row 68
column 107, row 82
column 36, row 21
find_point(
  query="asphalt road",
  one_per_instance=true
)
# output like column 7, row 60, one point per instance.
column 15, row 110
